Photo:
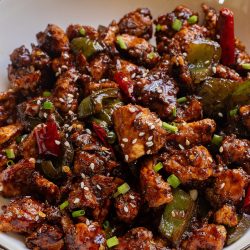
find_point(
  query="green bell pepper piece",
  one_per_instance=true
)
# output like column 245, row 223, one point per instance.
column 176, row 216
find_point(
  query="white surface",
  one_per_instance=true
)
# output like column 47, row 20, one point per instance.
column 21, row 20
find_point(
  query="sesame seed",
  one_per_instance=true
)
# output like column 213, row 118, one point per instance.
column 38, row 102
column 141, row 134
column 149, row 144
column 150, row 138
column 132, row 109
column 61, row 100
column 122, row 145
column 37, row 218
column 92, row 166
column 125, row 139
column 181, row 147
column 57, row 142
column 86, row 188
column 71, row 112
column 148, row 152
column 222, row 185
column 77, row 200
column 82, row 184
column 99, row 187
column 173, row 213
column 126, row 157
column 187, row 142
column 70, row 95
column 88, row 131
column 152, row 127
column 223, row 70
column 66, row 144
column 83, row 175
column 131, row 197
column 70, row 101
column 221, row 149
column 125, row 209
column 220, row 114
column 45, row 115
column 214, row 70
column 134, row 141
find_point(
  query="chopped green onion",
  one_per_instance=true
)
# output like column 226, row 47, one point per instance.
column 246, row 66
column 158, row 27
column 64, row 205
column 170, row 128
column 177, row 24
column 111, row 242
column 10, row 153
column 48, row 105
column 106, row 224
column 46, row 93
column 78, row 213
column 174, row 112
column 111, row 138
column 233, row 112
column 123, row 189
column 173, row 181
column 182, row 99
column 217, row 139
column 82, row 31
column 121, row 42
column 193, row 19
column 10, row 163
column 151, row 55
column 158, row 167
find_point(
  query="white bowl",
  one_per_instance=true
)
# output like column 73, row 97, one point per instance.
column 20, row 20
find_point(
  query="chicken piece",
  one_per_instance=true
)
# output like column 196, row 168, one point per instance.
column 189, row 111
column 244, row 112
column 66, row 92
column 138, row 238
column 195, row 164
column 139, row 50
column 47, row 189
column 83, row 236
column 93, row 159
column 229, row 187
column 25, row 80
column 73, row 31
column 210, row 20
column 22, row 215
column 210, row 236
column 226, row 216
column 39, row 58
column 9, row 131
column 15, row 180
column 127, row 206
column 7, row 106
column 236, row 151
column 53, row 40
column 20, row 57
column 227, row 73
column 139, row 131
column 82, row 195
column 157, row 90
column 46, row 237
column 137, row 23
column 99, row 65
column 193, row 133
column 91, row 87
column 155, row 190
column 108, row 34
column 28, row 146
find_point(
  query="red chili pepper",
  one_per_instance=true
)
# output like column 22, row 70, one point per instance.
column 100, row 132
column 125, row 85
column 46, row 137
column 227, row 39
column 247, row 198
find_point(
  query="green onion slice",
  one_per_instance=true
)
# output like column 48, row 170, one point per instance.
column 217, row 139
column 46, row 94
column 78, row 213
column 246, row 66
column 233, row 112
column 123, row 189
column 48, row 105
column 10, row 163
column 82, row 31
column 170, row 128
column 177, row 24
column 158, row 27
column 182, row 99
column 158, row 167
column 151, row 55
column 111, row 242
column 174, row 112
column 10, row 153
column 106, row 224
column 121, row 42
column 193, row 19
column 64, row 205
column 174, row 181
